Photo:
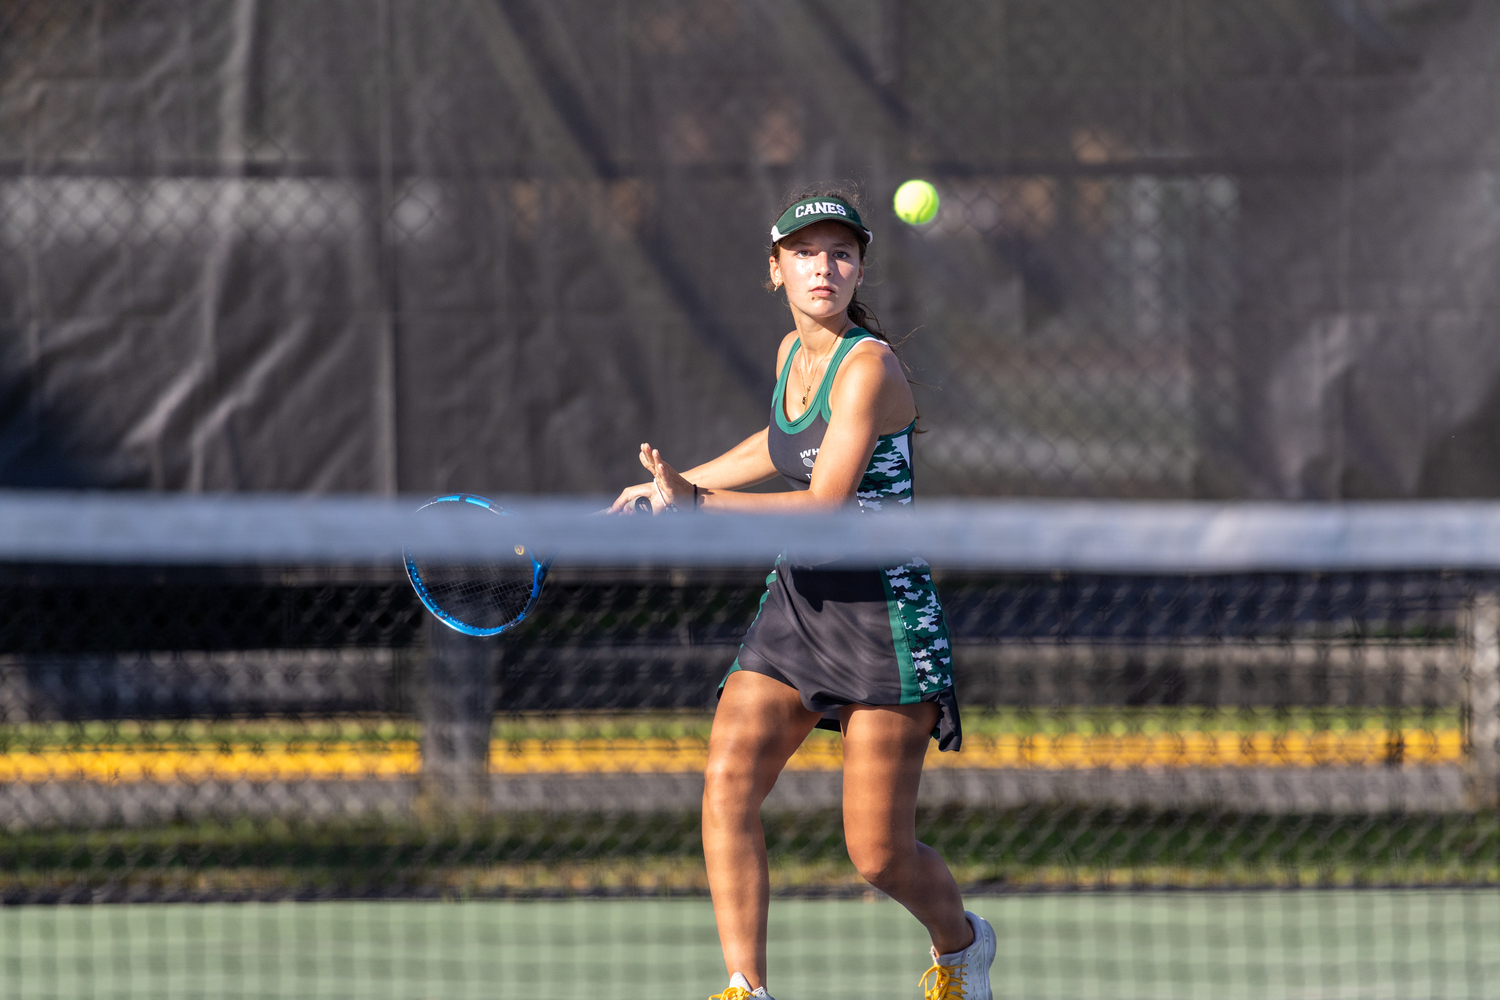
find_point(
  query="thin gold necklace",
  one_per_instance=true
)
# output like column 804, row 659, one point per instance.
column 807, row 372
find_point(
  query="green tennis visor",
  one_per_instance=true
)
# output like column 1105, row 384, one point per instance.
column 810, row 210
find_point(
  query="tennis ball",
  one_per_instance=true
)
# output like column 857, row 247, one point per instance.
column 916, row 202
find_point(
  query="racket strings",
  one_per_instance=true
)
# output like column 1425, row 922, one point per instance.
column 487, row 595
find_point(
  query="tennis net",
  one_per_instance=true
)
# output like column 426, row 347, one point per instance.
column 1208, row 750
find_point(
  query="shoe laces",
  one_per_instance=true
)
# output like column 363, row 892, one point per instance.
column 947, row 983
column 733, row 993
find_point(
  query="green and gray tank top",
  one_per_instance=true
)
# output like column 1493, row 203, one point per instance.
column 887, row 482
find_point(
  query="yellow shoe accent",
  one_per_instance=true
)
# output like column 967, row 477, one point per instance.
column 733, row 993
column 947, row 983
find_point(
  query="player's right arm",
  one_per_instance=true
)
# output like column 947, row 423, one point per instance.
column 746, row 464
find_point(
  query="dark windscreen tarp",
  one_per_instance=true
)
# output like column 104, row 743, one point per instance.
column 1212, row 248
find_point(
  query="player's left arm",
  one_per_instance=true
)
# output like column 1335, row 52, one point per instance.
column 869, row 397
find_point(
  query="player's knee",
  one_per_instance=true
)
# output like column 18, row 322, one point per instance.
column 729, row 788
column 877, row 863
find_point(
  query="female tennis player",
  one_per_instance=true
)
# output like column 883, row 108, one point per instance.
column 862, row 651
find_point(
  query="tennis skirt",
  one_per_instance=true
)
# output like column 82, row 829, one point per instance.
column 855, row 637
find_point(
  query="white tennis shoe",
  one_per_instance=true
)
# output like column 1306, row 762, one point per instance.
column 739, row 989
column 963, row 975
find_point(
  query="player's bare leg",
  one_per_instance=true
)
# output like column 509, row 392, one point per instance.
column 883, row 751
column 758, row 725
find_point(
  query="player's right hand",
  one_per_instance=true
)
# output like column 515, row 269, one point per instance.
column 626, row 502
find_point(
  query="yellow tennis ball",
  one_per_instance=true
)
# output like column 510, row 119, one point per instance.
column 916, row 202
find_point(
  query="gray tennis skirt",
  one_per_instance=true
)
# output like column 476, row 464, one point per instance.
column 855, row 637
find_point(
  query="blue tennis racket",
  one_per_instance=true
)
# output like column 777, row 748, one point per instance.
column 478, row 598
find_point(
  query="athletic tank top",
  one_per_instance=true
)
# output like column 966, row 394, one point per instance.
column 794, row 444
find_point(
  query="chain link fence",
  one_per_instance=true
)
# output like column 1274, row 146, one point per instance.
column 1186, row 249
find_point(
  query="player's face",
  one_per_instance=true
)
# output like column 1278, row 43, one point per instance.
column 820, row 268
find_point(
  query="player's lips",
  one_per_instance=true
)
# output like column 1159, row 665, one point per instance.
column 822, row 289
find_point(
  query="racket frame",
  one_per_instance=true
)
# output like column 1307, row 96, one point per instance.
column 539, row 569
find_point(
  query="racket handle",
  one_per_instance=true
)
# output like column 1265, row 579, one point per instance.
column 643, row 505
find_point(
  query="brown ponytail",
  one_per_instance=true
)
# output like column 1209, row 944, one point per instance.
column 862, row 315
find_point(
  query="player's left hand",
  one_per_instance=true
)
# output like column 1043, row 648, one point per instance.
column 671, row 489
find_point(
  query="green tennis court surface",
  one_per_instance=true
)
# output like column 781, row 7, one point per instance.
column 1311, row 945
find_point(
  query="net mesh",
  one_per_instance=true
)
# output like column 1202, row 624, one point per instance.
column 1255, row 784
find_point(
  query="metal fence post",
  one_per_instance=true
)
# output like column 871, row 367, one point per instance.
column 1482, row 697
column 456, row 717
